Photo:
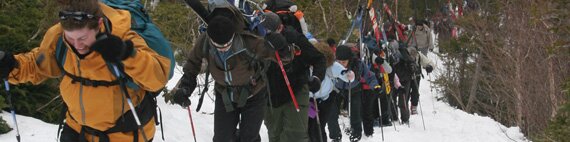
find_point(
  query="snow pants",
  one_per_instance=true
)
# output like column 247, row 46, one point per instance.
column 248, row 117
column 325, row 110
column 369, row 111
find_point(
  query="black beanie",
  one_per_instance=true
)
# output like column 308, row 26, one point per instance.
column 221, row 29
column 343, row 52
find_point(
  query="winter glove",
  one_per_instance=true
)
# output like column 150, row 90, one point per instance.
column 277, row 41
column 379, row 60
column 185, row 89
column 429, row 68
column 378, row 89
column 7, row 64
column 312, row 109
column 290, row 34
column 314, row 84
column 113, row 48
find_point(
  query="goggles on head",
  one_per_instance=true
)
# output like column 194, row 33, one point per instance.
column 78, row 15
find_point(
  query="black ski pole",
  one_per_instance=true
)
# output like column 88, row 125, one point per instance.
column 318, row 121
column 380, row 112
column 12, row 110
column 432, row 97
column 394, row 108
column 129, row 100
column 420, row 104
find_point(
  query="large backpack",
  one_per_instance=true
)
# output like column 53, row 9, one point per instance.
column 140, row 23
column 288, row 17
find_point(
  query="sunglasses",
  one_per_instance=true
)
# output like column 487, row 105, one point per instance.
column 79, row 16
column 227, row 44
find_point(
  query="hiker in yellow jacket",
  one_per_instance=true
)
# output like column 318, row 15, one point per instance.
column 88, row 87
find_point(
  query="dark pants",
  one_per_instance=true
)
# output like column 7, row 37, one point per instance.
column 386, row 107
column 70, row 135
column 369, row 111
column 285, row 124
column 248, row 117
column 325, row 110
column 402, row 96
column 415, row 94
column 332, row 122
column 355, row 112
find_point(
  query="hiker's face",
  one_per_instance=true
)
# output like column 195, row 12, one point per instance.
column 344, row 63
column 81, row 39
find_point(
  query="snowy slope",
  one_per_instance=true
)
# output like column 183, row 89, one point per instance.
column 442, row 123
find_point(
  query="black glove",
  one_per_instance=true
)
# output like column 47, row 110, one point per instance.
column 7, row 64
column 379, row 60
column 314, row 84
column 277, row 41
column 184, row 91
column 291, row 35
column 113, row 48
column 429, row 68
column 378, row 89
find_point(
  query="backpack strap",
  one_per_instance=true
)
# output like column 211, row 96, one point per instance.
column 205, row 52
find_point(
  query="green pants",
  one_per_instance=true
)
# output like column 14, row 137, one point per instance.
column 285, row 124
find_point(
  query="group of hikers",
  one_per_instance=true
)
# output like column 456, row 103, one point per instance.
column 274, row 73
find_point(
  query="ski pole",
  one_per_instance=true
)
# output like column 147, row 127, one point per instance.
column 422, row 113
column 12, row 110
column 420, row 104
column 287, row 82
column 380, row 112
column 129, row 101
column 392, row 100
column 318, row 121
column 191, row 123
column 432, row 96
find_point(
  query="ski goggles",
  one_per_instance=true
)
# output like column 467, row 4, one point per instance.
column 225, row 45
column 78, row 15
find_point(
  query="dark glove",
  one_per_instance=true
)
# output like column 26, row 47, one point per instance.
column 184, row 91
column 429, row 68
column 379, row 60
column 314, row 84
column 7, row 64
column 113, row 48
column 291, row 35
column 277, row 41
column 378, row 89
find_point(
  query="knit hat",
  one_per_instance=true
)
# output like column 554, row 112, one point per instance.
column 219, row 31
column 343, row 52
column 271, row 22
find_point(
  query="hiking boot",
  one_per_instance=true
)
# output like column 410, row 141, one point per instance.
column 414, row 110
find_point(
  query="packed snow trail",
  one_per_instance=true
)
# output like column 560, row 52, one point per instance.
column 443, row 123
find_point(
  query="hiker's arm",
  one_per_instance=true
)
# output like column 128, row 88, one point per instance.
column 369, row 76
column 38, row 64
column 194, row 58
column 430, row 39
column 338, row 71
column 425, row 61
column 146, row 67
column 313, row 57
